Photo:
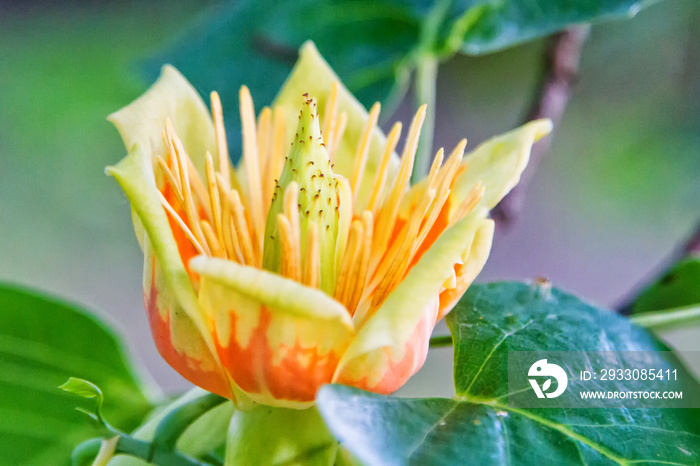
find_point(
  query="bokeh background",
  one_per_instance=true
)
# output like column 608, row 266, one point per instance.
column 608, row 205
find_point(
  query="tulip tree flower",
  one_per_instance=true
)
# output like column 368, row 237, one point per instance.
column 313, row 261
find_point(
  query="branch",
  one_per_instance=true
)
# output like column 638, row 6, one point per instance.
column 560, row 74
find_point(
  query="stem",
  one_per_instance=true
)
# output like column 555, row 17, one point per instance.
column 441, row 341
column 426, row 80
column 267, row 435
column 127, row 445
column 153, row 454
column 169, row 428
column 668, row 319
column 561, row 72
column 86, row 452
column 174, row 424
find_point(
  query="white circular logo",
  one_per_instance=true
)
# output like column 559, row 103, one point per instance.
column 543, row 369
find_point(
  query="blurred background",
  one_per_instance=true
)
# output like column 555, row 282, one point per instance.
column 618, row 192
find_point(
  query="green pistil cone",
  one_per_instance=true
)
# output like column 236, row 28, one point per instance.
column 309, row 166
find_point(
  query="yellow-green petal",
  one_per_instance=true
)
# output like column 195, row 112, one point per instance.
column 171, row 300
column 277, row 293
column 278, row 339
column 142, row 122
column 312, row 74
column 499, row 162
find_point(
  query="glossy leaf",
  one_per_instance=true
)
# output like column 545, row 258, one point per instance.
column 498, row 25
column 372, row 46
column 479, row 427
column 43, row 342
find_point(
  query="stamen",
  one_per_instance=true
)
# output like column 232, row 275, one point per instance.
column 435, row 168
column 251, row 162
column 330, row 113
column 380, row 179
column 387, row 214
column 344, row 218
column 264, row 146
column 360, row 278
column 231, row 238
column 241, row 228
column 351, row 256
column 182, row 224
column 468, row 203
column 444, row 181
column 291, row 267
column 214, row 199
column 190, row 210
column 400, row 261
column 363, row 150
column 212, row 242
column 198, row 188
column 291, row 211
column 194, row 182
column 312, row 264
column 276, row 160
column 449, row 170
column 170, row 178
column 174, row 163
column 221, row 143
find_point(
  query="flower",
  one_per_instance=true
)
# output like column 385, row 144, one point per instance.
column 313, row 261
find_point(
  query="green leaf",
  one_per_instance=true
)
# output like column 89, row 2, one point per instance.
column 89, row 390
column 679, row 287
column 479, row 427
column 43, row 342
column 372, row 46
column 487, row 26
column 83, row 388
column 673, row 301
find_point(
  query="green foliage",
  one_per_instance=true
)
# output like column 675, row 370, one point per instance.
column 203, row 438
column 679, row 287
column 373, row 46
column 502, row 24
column 479, row 424
column 89, row 390
column 43, row 342
column 672, row 301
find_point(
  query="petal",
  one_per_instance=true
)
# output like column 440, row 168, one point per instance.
column 278, row 339
column 312, row 74
column 408, row 308
column 499, row 162
column 466, row 272
column 171, row 96
column 386, row 369
column 178, row 326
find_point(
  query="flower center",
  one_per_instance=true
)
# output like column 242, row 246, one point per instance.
column 291, row 214
column 302, row 223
